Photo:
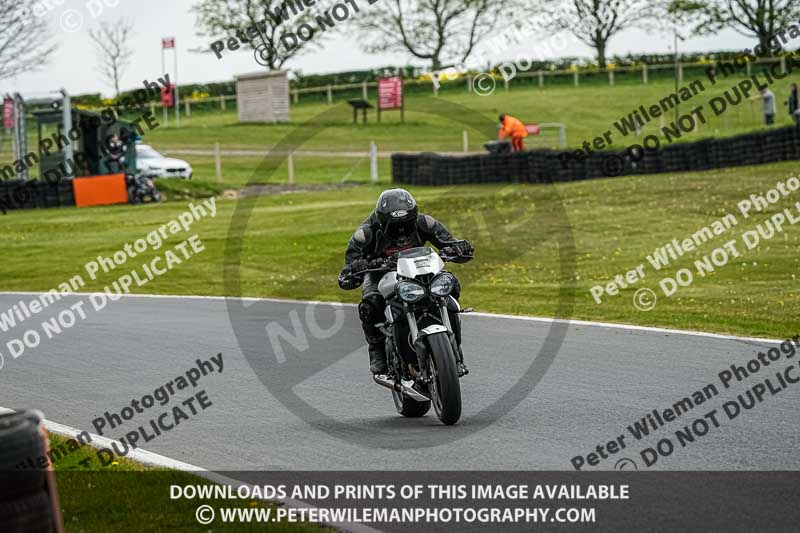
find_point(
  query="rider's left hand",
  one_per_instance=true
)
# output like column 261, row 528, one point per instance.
column 463, row 248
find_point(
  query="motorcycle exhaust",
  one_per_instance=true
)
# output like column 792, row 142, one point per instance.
column 385, row 381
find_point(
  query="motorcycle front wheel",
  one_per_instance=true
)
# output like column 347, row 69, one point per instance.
column 445, row 387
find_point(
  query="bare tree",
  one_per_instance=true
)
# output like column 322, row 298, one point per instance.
column 444, row 32
column 596, row 22
column 111, row 41
column 260, row 25
column 762, row 19
column 23, row 38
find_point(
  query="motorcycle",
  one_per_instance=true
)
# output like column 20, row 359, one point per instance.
column 424, row 359
column 141, row 188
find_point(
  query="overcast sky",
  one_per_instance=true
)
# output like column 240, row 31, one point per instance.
column 74, row 64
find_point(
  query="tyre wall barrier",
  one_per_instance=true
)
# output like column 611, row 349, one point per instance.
column 29, row 500
column 20, row 194
column 545, row 166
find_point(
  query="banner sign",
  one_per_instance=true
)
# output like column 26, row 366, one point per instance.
column 168, row 96
column 8, row 113
column 390, row 93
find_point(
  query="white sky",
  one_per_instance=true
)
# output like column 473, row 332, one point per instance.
column 74, row 64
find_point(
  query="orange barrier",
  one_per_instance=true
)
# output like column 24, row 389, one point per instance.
column 100, row 190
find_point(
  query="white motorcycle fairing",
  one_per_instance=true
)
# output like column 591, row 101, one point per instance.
column 419, row 262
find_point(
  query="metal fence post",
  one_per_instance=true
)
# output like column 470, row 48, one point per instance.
column 611, row 77
column 188, row 108
column 330, row 95
column 466, row 141
column 364, row 93
column 541, row 79
column 576, row 78
column 218, row 161
column 373, row 162
column 644, row 73
column 290, row 167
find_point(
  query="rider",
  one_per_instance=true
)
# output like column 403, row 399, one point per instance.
column 393, row 226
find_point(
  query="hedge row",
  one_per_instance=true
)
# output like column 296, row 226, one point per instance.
column 545, row 166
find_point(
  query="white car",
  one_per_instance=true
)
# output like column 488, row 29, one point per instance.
column 149, row 161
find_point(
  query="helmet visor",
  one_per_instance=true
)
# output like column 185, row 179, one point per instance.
column 401, row 231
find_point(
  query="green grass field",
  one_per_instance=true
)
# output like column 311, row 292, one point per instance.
column 293, row 247
column 587, row 112
column 435, row 124
column 138, row 491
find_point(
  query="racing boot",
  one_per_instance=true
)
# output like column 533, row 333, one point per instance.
column 462, row 367
column 377, row 357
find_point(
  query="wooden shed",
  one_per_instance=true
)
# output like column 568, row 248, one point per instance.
column 263, row 97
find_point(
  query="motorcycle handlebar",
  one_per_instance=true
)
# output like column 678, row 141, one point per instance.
column 391, row 264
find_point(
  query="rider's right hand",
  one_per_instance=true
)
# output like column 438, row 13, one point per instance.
column 377, row 263
column 359, row 265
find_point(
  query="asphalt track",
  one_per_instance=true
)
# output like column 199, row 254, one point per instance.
column 602, row 380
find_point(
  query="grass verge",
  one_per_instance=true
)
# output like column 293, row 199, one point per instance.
column 293, row 245
column 128, row 496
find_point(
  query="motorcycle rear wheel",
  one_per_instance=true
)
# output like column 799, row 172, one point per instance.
column 445, row 387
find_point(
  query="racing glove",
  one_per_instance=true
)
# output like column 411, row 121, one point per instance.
column 347, row 280
column 463, row 248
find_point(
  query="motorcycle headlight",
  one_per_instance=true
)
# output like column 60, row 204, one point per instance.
column 410, row 292
column 443, row 284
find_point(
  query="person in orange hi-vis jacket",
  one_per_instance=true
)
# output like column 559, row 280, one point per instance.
column 514, row 128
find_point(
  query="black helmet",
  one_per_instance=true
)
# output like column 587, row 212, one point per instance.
column 397, row 213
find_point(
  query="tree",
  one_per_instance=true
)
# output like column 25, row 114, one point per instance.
column 596, row 22
column 444, row 32
column 259, row 24
column 111, row 41
column 23, row 38
column 762, row 19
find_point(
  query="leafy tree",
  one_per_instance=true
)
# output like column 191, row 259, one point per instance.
column 596, row 22
column 260, row 25
column 443, row 32
column 761, row 19
column 111, row 42
column 24, row 38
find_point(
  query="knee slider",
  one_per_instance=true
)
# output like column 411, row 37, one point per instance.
column 371, row 308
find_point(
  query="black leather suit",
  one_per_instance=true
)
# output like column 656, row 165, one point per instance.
column 369, row 242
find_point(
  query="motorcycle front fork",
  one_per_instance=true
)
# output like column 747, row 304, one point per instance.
column 422, row 349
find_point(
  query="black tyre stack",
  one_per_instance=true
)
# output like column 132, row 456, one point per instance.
column 32, row 194
column 545, row 166
column 28, row 497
